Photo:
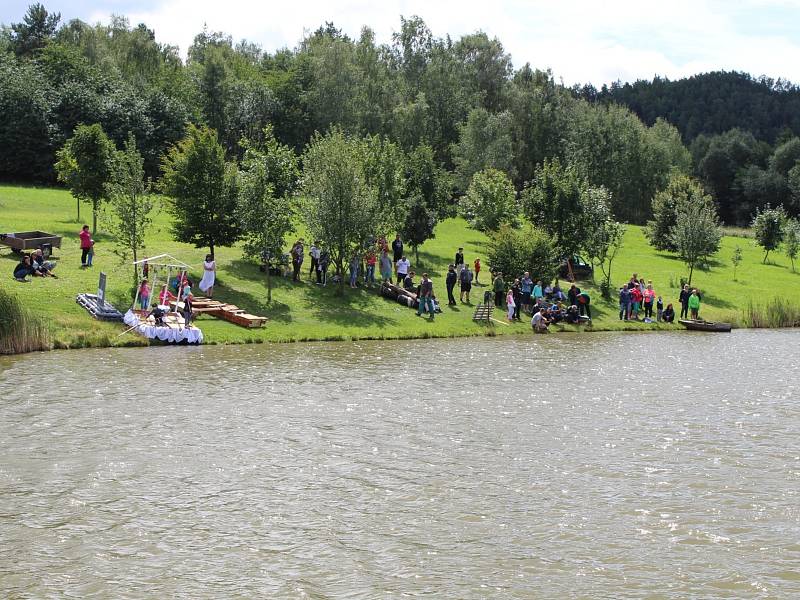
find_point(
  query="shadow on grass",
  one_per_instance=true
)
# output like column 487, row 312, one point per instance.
column 716, row 302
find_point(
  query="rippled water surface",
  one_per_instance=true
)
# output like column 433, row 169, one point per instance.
column 664, row 465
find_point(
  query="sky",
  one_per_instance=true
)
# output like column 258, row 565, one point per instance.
column 580, row 41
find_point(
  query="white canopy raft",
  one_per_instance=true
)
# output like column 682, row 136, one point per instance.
column 162, row 322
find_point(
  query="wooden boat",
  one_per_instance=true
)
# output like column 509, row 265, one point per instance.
column 700, row 325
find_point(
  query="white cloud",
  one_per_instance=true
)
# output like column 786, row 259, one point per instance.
column 579, row 40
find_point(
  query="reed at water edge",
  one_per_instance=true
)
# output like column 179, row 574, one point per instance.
column 20, row 331
column 777, row 312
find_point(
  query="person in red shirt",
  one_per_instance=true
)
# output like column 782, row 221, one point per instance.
column 636, row 302
column 477, row 269
column 86, row 245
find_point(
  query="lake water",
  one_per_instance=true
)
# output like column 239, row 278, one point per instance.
column 602, row 465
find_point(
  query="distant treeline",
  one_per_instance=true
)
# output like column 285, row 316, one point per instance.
column 462, row 97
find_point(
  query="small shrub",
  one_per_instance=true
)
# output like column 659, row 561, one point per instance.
column 20, row 331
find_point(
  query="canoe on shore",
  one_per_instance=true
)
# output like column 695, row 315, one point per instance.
column 705, row 325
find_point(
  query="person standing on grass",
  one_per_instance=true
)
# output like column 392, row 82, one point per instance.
column 684, row 300
column 322, row 269
column 624, row 303
column 477, row 270
column 402, row 267
column 297, row 259
column 450, row 283
column 86, row 245
column 206, row 284
column 659, row 309
column 499, row 287
column 510, row 304
column 397, row 249
column 426, row 296
column 694, row 304
column 370, row 259
column 386, row 267
column 459, row 261
column 636, row 302
column 649, row 298
column 466, row 282
column 144, row 295
column 355, row 263
column 526, row 288
column 516, row 294
column 314, row 254
column 537, row 291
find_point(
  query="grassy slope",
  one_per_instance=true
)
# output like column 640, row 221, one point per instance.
column 304, row 312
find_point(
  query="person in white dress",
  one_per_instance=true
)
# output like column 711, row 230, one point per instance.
column 206, row 284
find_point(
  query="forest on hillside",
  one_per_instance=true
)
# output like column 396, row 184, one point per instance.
column 463, row 98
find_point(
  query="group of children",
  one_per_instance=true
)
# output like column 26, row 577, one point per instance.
column 637, row 298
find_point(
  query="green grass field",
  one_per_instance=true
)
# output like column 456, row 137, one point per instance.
column 302, row 312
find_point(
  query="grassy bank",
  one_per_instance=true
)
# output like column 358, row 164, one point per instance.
column 302, row 312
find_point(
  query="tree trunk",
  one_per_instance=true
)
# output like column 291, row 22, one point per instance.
column 416, row 255
column 135, row 266
column 691, row 271
column 211, row 249
column 340, row 268
column 78, row 203
column 94, row 217
column 765, row 257
column 269, row 285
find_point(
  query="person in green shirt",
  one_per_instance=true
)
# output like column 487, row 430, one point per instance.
column 694, row 304
column 499, row 287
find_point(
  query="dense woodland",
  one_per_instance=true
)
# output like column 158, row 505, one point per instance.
column 462, row 98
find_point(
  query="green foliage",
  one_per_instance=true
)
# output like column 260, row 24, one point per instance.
column 341, row 208
column 603, row 235
column 35, row 31
column 85, row 164
column 736, row 259
column 768, row 228
column 21, row 331
column 425, row 178
column 130, row 200
column 384, row 164
column 680, row 189
column 419, row 223
column 266, row 180
column 485, row 142
column 490, row 201
column 203, row 191
column 515, row 251
column 696, row 234
column 791, row 240
column 553, row 201
column 785, row 156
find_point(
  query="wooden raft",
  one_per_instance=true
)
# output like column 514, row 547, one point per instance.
column 221, row 310
column 483, row 312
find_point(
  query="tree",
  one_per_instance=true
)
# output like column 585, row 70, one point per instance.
column 203, row 190
column 85, row 165
column 340, row 207
column 514, row 251
column 267, row 179
column 791, row 240
column 680, row 189
column 553, row 201
column 131, row 203
column 425, row 177
column 490, row 201
column 419, row 224
column 768, row 228
column 37, row 28
column 603, row 235
column 736, row 260
column 484, row 142
column 696, row 234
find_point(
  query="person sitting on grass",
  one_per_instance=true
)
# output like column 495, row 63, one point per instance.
column 668, row 316
column 24, row 269
column 408, row 283
column 573, row 315
column 41, row 266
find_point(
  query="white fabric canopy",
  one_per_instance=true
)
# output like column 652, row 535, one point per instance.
column 192, row 335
